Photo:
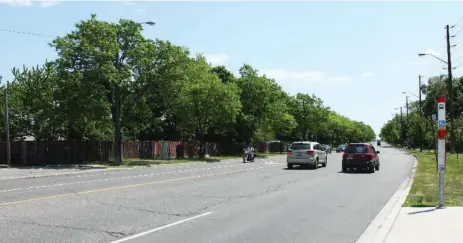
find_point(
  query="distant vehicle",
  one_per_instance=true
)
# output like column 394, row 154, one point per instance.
column 360, row 156
column 306, row 153
column 378, row 142
column 340, row 148
column 327, row 148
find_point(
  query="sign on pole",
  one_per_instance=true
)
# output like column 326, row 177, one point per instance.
column 441, row 148
column 441, row 133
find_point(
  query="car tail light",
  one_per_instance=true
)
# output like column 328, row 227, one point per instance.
column 311, row 152
column 344, row 156
column 290, row 152
column 368, row 156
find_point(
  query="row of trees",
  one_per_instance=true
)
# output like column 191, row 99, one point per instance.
column 111, row 83
column 397, row 130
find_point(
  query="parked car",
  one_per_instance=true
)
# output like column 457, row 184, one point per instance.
column 360, row 156
column 327, row 148
column 306, row 153
column 340, row 148
column 378, row 142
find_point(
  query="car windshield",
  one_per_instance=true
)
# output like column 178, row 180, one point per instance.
column 299, row 146
column 357, row 148
column 341, row 146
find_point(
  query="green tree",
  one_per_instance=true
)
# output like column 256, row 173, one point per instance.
column 104, row 54
column 205, row 101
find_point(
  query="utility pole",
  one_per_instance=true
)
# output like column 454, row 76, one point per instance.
column 406, row 127
column 7, row 127
column 402, row 125
column 421, row 114
column 450, row 92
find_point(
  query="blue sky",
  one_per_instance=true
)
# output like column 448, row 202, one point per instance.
column 357, row 56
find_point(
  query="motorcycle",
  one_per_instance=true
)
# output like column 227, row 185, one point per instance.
column 248, row 156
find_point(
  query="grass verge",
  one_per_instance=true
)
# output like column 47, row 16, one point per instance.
column 211, row 159
column 425, row 188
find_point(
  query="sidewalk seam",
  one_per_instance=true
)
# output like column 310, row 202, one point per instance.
column 407, row 190
column 380, row 227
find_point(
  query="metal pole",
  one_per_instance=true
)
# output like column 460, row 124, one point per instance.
column 441, row 148
column 7, row 127
column 421, row 114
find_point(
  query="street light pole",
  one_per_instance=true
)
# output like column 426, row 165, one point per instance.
column 116, row 108
column 7, row 127
column 421, row 114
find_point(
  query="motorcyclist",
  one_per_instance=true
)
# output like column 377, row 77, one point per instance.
column 250, row 150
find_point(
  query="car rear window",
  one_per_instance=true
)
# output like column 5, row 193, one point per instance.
column 357, row 148
column 299, row 146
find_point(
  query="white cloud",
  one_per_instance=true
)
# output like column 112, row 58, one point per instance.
column 420, row 63
column 294, row 81
column 302, row 78
column 20, row 3
column 286, row 76
column 48, row 3
column 217, row 59
column 127, row 2
column 140, row 10
column 431, row 52
column 29, row 3
column 342, row 79
column 366, row 74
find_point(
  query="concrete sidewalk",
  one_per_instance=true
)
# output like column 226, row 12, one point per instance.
column 427, row 225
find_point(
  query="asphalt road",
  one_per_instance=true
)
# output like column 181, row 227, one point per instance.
column 214, row 202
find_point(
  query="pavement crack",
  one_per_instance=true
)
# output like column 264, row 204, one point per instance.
column 149, row 211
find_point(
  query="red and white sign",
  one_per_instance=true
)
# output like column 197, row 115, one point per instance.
column 441, row 134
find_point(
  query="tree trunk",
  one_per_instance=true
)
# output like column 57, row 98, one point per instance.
column 117, row 125
column 201, row 144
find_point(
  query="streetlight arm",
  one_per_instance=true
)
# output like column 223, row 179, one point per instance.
column 429, row 54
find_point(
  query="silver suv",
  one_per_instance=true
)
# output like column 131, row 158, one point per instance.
column 306, row 153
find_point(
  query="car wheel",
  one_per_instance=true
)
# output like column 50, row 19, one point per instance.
column 377, row 166
column 344, row 167
column 315, row 166
column 372, row 169
column 290, row 166
column 326, row 161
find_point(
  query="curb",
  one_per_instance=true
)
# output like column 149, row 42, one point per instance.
column 378, row 230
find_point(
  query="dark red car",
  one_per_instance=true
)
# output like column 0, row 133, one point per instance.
column 360, row 156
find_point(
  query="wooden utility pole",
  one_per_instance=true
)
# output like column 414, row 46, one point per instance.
column 450, row 92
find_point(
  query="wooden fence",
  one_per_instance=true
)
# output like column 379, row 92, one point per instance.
column 32, row 153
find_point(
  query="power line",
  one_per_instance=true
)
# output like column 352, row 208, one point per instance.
column 453, row 36
column 457, row 22
column 25, row 33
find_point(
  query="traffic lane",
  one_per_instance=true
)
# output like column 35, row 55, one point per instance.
column 103, row 182
column 58, row 179
column 109, row 215
column 43, row 187
column 93, row 177
column 336, row 207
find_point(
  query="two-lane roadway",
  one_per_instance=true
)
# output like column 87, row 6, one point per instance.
column 202, row 202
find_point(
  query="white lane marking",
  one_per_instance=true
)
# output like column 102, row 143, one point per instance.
column 160, row 228
column 126, row 177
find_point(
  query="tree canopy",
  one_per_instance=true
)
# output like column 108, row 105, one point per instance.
column 109, row 82
column 406, row 131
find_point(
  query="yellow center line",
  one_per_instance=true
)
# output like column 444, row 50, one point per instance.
column 124, row 187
